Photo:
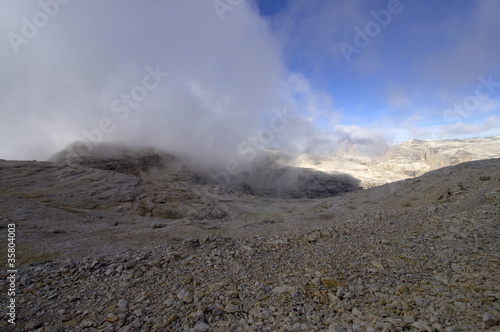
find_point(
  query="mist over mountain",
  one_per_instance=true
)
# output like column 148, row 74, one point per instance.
column 231, row 165
column 129, row 216
column 185, row 80
column 273, row 173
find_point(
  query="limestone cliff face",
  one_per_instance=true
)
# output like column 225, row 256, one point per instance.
column 416, row 157
column 281, row 174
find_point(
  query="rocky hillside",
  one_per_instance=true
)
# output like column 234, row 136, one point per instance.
column 142, row 242
column 417, row 157
column 297, row 175
column 274, row 174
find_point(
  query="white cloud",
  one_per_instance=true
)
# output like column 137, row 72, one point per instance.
column 467, row 48
column 226, row 77
column 223, row 76
column 488, row 127
column 313, row 30
column 76, row 80
column 415, row 128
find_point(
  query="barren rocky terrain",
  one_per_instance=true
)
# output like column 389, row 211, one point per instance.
column 138, row 240
column 416, row 157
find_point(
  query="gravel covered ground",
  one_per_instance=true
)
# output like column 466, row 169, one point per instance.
column 389, row 272
column 431, row 264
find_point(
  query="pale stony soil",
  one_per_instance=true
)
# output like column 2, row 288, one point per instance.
column 417, row 255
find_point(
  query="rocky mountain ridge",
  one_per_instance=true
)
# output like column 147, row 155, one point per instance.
column 300, row 175
column 416, row 157
column 96, row 252
column 138, row 240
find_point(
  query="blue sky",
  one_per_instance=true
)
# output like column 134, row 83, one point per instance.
column 423, row 62
column 85, row 71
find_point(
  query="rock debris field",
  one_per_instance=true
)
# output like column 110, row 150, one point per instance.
column 419, row 255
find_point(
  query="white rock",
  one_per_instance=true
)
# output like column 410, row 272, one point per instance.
column 201, row 327
column 490, row 320
column 283, row 289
